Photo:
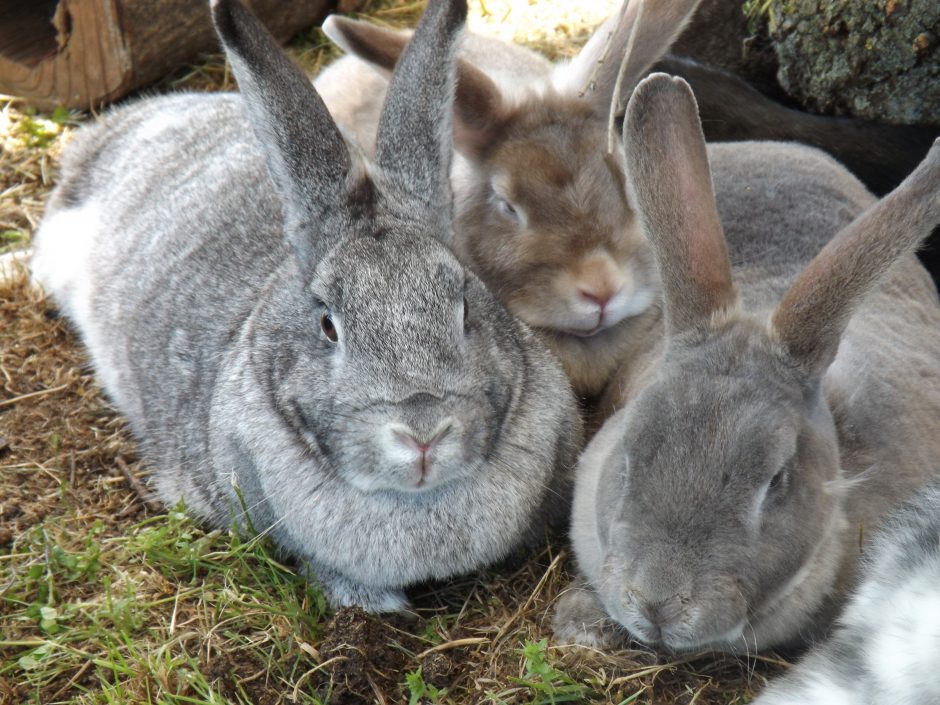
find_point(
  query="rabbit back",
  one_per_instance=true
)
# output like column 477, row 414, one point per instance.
column 154, row 315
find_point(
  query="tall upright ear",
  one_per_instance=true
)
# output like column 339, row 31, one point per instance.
column 643, row 29
column 415, row 137
column 814, row 312
column 309, row 162
column 479, row 108
column 669, row 175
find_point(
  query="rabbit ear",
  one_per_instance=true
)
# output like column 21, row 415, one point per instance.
column 415, row 135
column 479, row 108
column 670, row 178
column 375, row 45
column 815, row 310
column 306, row 155
column 646, row 27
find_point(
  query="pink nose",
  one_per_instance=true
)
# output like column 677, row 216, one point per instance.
column 597, row 297
column 413, row 442
column 421, row 446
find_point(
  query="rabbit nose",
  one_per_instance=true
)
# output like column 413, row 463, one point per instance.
column 422, row 443
column 658, row 615
column 599, row 295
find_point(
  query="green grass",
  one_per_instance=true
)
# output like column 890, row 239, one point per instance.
column 97, row 606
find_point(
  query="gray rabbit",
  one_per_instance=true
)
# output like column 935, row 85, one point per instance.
column 788, row 407
column 886, row 644
column 283, row 326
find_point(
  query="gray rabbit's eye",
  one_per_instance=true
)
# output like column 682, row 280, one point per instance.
column 327, row 326
column 466, row 314
column 781, row 479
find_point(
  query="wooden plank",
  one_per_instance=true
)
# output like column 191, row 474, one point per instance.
column 84, row 53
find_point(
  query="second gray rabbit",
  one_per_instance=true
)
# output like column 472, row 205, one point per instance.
column 791, row 403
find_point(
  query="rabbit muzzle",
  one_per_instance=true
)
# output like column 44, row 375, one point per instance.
column 418, row 444
column 672, row 603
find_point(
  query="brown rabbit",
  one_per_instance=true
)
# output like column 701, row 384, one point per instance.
column 542, row 212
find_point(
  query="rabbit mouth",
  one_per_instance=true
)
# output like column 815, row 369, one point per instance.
column 584, row 332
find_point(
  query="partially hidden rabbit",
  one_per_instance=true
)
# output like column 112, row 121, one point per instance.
column 292, row 341
column 786, row 407
column 542, row 213
column 886, row 644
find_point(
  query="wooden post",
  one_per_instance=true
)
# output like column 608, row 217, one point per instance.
column 84, row 53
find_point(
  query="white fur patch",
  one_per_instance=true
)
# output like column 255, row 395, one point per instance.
column 64, row 265
column 62, row 261
column 811, row 688
column 822, row 690
column 905, row 654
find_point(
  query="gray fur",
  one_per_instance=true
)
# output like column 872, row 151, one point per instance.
column 886, row 645
column 201, row 297
column 723, row 505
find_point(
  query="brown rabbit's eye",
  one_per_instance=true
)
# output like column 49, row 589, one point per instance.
column 506, row 207
column 329, row 330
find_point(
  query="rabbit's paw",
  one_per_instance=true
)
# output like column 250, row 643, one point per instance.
column 580, row 619
column 343, row 592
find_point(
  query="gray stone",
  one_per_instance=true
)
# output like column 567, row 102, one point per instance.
column 874, row 59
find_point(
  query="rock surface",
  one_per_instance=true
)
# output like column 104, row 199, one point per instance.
column 721, row 34
column 874, row 59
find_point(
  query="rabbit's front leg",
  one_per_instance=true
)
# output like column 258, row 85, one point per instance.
column 580, row 618
column 340, row 591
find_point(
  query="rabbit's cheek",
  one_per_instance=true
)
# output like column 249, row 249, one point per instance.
column 628, row 303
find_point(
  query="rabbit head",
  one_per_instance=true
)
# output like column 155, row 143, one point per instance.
column 542, row 212
column 384, row 356
column 726, row 526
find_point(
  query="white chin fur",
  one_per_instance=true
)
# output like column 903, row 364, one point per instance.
column 626, row 304
column 580, row 318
